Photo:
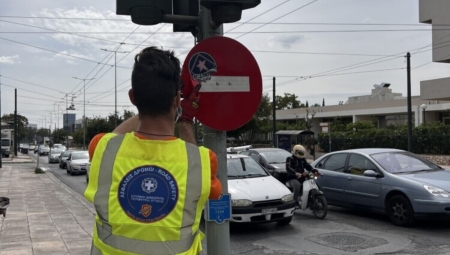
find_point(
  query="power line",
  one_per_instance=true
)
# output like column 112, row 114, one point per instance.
column 318, row 53
column 246, row 22
column 32, row 91
column 301, row 7
column 29, row 83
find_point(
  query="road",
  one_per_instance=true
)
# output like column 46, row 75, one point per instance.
column 342, row 232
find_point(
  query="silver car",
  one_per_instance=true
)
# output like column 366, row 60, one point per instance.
column 53, row 155
column 394, row 182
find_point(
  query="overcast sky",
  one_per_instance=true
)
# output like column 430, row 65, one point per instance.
column 297, row 41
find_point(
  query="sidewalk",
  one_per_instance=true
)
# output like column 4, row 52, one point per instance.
column 45, row 216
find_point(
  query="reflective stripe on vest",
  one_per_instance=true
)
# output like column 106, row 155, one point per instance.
column 193, row 191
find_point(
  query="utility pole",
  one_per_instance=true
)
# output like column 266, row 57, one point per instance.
column 408, row 71
column 274, row 116
column 115, row 80
column 1, row 152
column 84, row 108
column 15, row 123
column 218, row 235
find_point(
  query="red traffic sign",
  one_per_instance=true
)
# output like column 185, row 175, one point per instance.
column 231, row 82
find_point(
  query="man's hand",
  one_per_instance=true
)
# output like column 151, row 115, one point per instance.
column 190, row 104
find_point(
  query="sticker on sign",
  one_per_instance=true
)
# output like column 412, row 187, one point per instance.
column 226, row 84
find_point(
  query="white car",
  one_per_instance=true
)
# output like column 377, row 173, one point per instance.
column 77, row 162
column 256, row 196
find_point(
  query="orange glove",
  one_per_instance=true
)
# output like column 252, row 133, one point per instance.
column 190, row 104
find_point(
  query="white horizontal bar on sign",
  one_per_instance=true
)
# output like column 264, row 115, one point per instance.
column 226, row 84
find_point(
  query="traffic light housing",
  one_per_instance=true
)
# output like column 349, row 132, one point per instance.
column 188, row 8
column 144, row 12
column 228, row 11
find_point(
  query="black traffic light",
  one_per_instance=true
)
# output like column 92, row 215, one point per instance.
column 188, row 8
column 144, row 12
column 228, row 11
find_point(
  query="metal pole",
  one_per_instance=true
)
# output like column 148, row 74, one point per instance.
column 423, row 116
column 115, row 88
column 408, row 70
column 274, row 116
column 15, row 123
column 1, row 152
column 67, row 125
column 329, row 136
column 84, row 109
column 218, row 235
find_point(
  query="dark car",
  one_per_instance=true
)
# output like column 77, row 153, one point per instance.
column 272, row 159
column 62, row 159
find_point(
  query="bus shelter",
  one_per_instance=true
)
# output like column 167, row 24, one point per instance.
column 286, row 139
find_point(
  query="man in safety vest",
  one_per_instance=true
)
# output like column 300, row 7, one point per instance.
column 148, row 187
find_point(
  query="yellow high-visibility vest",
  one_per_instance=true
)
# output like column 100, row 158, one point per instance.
column 149, row 195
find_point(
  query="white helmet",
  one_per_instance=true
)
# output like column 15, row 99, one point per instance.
column 299, row 151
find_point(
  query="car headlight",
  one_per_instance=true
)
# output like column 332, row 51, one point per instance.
column 436, row 191
column 287, row 198
column 240, row 202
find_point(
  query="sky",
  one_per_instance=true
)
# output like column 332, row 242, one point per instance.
column 316, row 49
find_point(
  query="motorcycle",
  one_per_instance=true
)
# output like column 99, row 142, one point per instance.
column 312, row 196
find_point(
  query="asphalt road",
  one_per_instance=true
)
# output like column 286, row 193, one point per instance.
column 343, row 231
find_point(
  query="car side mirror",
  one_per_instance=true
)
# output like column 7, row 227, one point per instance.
column 371, row 173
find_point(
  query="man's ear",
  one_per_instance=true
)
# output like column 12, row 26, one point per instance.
column 131, row 96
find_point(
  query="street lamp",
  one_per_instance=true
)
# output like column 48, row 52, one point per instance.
column 423, row 107
column 71, row 107
column 84, row 108
column 115, row 78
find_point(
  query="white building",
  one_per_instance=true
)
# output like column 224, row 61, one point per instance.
column 436, row 13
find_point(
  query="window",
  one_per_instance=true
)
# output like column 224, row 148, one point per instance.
column 357, row 164
column 255, row 157
column 244, row 167
column 403, row 162
column 335, row 162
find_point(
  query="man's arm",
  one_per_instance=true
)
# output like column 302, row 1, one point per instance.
column 128, row 125
column 187, row 132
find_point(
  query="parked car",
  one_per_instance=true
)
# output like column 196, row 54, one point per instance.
column 36, row 148
column 43, row 150
column 394, row 182
column 53, row 155
column 272, row 159
column 76, row 162
column 59, row 146
column 257, row 197
column 62, row 159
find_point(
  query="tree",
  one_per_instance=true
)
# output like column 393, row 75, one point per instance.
column 307, row 105
column 59, row 135
column 40, row 134
column 127, row 114
column 288, row 101
column 22, row 124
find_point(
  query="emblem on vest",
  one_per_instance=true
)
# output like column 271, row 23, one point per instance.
column 149, row 185
column 202, row 66
column 148, row 193
column 146, row 210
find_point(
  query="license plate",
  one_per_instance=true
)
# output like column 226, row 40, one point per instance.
column 267, row 211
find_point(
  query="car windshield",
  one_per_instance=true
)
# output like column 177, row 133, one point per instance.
column 403, row 162
column 56, row 151
column 244, row 168
column 275, row 156
column 65, row 153
column 80, row 155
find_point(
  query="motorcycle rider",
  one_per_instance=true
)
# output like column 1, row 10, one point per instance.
column 296, row 166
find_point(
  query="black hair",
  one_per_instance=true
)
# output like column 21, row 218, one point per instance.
column 155, row 81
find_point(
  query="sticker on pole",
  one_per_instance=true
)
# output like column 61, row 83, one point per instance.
column 219, row 210
column 231, row 82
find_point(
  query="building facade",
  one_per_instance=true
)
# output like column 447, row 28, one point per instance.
column 69, row 122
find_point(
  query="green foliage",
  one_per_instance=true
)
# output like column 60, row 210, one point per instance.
column 432, row 138
column 23, row 123
column 288, row 101
column 59, row 135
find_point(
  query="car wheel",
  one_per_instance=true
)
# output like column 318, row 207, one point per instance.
column 400, row 211
column 285, row 221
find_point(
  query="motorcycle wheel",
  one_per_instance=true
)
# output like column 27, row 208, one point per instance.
column 320, row 209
